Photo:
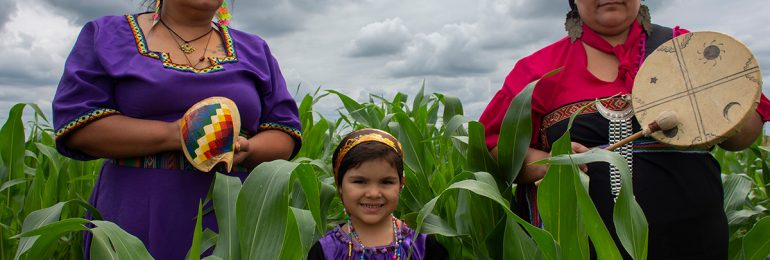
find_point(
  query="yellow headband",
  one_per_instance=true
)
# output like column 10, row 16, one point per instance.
column 361, row 136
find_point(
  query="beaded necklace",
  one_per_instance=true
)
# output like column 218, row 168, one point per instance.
column 397, row 240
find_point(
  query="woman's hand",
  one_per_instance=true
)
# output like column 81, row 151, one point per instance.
column 266, row 146
column 241, row 150
column 535, row 172
column 576, row 149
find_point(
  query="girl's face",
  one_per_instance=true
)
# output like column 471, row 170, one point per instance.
column 370, row 192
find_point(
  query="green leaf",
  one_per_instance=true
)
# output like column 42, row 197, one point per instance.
column 756, row 243
column 411, row 139
column 630, row 222
column 34, row 221
column 452, row 107
column 226, row 189
column 736, row 189
column 12, row 140
column 518, row 245
column 12, row 183
column 355, row 109
column 124, row 245
column 433, row 224
column 558, row 205
column 195, row 248
column 58, row 227
column 262, row 208
column 543, row 239
column 311, row 188
column 299, row 234
column 515, row 135
column 479, row 158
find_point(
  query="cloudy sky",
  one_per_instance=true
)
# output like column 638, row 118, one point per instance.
column 463, row 48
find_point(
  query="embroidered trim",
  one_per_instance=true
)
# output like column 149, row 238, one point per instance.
column 168, row 161
column 165, row 58
column 293, row 132
column 564, row 112
column 405, row 232
column 84, row 119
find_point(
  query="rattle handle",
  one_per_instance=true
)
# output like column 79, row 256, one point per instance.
column 653, row 127
column 625, row 141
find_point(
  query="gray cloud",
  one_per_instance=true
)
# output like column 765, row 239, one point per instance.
column 271, row 18
column 526, row 9
column 380, row 38
column 7, row 7
column 82, row 11
column 453, row 51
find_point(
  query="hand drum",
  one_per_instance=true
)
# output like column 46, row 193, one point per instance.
column 208, row 131
column 709, row 79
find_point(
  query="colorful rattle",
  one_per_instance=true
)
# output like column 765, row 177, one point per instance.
column 208, row 131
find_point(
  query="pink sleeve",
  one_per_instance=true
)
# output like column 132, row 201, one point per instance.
column 493, row 115
column 764, row 108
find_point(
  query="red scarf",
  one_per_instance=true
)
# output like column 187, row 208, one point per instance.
column 628, row 54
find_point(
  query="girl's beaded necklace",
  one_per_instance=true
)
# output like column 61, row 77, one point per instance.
column 353, row 234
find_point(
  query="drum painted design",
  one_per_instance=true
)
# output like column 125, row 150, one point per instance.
column 711, row 81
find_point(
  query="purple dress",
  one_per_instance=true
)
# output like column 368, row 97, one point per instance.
column 110, row 71
column 335, row 245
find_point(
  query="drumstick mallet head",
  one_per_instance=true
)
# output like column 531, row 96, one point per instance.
column 666, row 120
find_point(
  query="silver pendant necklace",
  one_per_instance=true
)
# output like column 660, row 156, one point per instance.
column 620, row 127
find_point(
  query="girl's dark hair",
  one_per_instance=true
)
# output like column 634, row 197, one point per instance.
column 366, row 152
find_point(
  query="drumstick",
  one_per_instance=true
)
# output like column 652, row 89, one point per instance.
column 666, row 120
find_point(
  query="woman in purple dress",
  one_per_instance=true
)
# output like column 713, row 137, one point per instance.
column 127, row 82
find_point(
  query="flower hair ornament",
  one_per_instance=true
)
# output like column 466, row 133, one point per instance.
column 362, row 136
column 208, row 131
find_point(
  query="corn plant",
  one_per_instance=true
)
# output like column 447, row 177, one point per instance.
column 455, row 190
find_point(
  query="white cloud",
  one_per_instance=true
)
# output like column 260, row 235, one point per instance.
column 453, row 51
column 34, row 55
column 380, row 38
column 458, row 47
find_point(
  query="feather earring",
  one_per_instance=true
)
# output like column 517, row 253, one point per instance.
column 644, row 19
column 573, row 25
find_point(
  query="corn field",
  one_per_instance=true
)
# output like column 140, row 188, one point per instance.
column 455, row 190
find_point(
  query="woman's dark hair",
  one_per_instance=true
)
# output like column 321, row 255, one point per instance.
column 366, row 152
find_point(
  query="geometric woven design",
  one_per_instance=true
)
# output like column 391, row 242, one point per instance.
column 208, row 133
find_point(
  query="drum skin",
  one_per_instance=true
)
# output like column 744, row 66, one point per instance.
column 710, row 80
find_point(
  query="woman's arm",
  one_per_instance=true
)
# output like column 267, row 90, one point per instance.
column 120, row 136
column 532, row 173
column 749, row 131
column 266, row 146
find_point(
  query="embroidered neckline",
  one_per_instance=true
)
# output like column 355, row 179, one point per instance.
column 165, row 58
column 341, row 236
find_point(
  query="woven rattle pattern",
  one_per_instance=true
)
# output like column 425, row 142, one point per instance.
column 208, row 132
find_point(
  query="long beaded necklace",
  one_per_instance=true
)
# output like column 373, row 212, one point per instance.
column 189, row 48
column 397, row 240
column 185, row 47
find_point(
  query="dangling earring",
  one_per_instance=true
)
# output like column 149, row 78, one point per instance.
column 573, row 25
column 156, row 15
column 644, row 19
column 223, row 15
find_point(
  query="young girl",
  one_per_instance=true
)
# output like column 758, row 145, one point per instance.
column 369, row 173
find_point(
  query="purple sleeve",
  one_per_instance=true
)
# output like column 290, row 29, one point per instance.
column 84, row 94
column 279, row 110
